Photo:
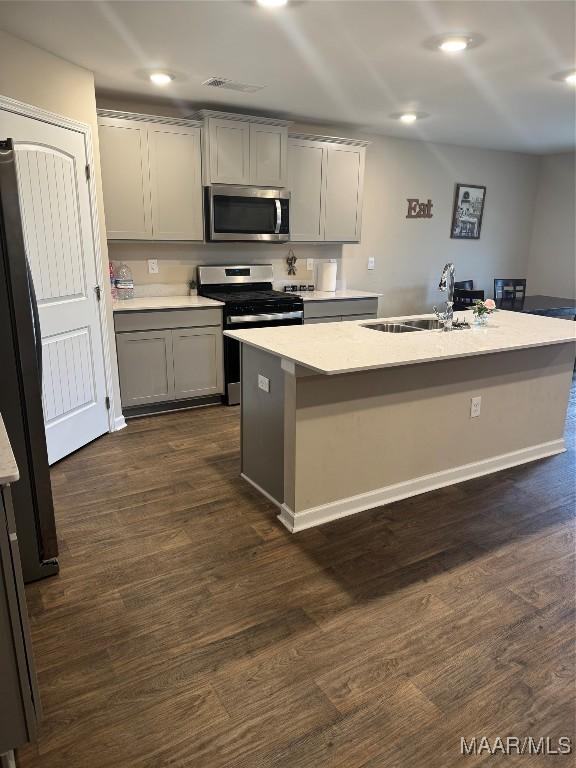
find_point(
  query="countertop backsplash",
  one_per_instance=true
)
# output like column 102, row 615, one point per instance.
column 177, row 262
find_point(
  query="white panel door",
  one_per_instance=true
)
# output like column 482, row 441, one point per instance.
column 55, row 209
column 229, row 143
column 343, row 198
column 305, row 181
column 268, row 155
column 175, row 182
column 125, row 178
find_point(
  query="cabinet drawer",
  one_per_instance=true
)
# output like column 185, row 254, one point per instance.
column 370, row 316
column 166, row 318
column 310, row 320
column 340, row 307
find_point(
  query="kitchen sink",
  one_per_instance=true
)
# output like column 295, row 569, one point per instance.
column 424, row 324
column 420, row 324
column 391, row 327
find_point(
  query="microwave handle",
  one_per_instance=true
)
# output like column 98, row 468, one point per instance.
column 278, row 216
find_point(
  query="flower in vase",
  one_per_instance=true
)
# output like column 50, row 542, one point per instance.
column 481, row 308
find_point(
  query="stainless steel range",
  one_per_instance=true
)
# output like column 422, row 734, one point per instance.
column 249, row 302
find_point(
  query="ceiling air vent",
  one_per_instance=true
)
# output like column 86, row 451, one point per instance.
column 232, row 85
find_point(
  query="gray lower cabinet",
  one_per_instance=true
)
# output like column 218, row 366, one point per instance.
column 197, row 362
column 340, row 309
column 145, row 365
column 19, row 699
column 162, row 364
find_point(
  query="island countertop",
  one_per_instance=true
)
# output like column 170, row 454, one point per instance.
column 346, row 347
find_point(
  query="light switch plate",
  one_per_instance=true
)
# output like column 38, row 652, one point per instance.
column 310, row 265
column 475, row 405
column 371, row 262
column 153, row 266
column 263, row 383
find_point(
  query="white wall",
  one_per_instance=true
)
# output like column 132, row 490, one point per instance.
column 36, row 77
column 410, row 253
column 552, row 261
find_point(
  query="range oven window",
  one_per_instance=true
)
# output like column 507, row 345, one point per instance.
column 247, row 215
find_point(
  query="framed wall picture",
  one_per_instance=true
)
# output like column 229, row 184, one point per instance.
column 467, row 212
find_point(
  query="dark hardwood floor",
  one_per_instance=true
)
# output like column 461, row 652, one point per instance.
column 189, row 629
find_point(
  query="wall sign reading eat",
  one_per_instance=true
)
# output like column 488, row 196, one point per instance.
column 418, row 210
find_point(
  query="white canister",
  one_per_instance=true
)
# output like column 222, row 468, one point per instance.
column 326, row 278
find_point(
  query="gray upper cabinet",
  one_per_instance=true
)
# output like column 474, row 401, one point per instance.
column 244, row 150
column 326, row 180
column 228, row 156
column 305, row 181
column 151, row 177
column 125, row 179
column 268, row 155
column 175, row 182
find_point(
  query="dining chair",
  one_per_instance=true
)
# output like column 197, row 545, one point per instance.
column 510, row 291
column 466, row 285
column 464, row 294
column 464, row 298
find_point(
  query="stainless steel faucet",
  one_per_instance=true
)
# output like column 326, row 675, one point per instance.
column 447, row 284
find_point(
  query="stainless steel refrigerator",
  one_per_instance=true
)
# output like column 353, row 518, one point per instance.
column 20, row 384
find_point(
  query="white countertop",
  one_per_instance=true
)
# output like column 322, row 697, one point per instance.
column 164, row 302
column 337, row 295
column 8, row 467
column 345, row 347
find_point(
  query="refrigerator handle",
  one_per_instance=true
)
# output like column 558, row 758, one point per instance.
column 36, row 318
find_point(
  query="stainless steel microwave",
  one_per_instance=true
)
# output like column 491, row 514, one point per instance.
column 247, row 213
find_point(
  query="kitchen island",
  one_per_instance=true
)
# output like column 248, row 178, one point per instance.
column 338, row 418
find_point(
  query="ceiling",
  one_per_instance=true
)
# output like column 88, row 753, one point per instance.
column 339, row 63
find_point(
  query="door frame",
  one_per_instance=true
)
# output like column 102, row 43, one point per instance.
column 37, row 113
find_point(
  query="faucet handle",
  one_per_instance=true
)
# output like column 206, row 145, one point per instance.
column 440, row 315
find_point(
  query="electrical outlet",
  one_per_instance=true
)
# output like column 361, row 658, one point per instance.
column 263, row 383
column 310, row 265
column 153, row 266
column 371, row 262
column 475, row 405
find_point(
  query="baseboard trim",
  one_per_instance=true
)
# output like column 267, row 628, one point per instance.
column 260, row 490
column 119, row 423
column 308, row 518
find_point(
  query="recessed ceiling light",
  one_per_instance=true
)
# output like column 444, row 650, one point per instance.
column 570, row 79
column 409, row 117
column 454, row 44
column 161, row 78
column 272, row 3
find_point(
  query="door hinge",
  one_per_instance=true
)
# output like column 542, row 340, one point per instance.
column 87, row 170
column 98, row 293
column 107, row 401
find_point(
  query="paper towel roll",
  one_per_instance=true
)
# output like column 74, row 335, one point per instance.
column 326, row 280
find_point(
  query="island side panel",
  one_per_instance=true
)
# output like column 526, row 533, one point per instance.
column 363, row 439
column 262, row 440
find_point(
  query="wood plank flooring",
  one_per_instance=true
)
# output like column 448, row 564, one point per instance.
column 189, row 629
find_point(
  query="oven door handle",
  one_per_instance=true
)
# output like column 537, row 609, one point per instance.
column 239, row 319
column 278, row 216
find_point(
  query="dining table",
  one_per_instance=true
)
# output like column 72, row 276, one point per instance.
column 540, row 304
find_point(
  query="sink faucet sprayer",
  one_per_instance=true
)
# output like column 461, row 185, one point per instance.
column 447, row 284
